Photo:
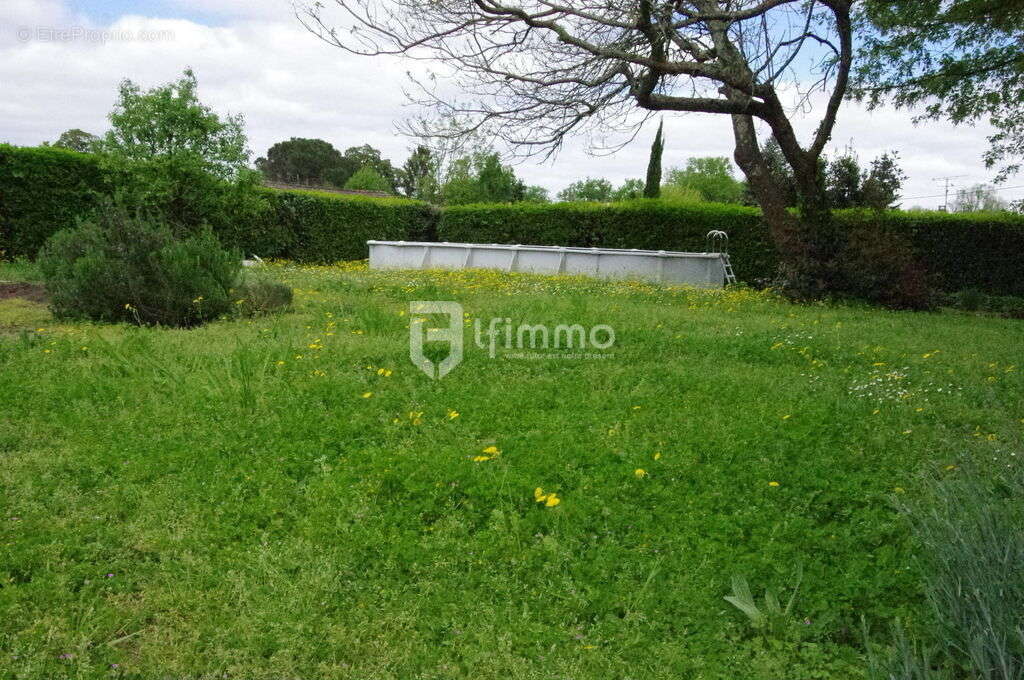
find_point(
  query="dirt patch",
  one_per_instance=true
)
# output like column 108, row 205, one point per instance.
column 33, row 292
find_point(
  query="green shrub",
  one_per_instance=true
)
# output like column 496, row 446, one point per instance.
column 120, row 267
column 974, row 300
column 970, row 549
column 367, row 179
column 261, row 296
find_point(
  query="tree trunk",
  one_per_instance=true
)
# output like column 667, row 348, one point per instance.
column 806, row 240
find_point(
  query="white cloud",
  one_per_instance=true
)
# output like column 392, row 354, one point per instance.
column 263, row 64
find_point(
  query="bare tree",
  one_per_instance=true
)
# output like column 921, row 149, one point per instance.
column 530, row 72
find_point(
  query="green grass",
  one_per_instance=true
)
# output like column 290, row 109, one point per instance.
column 225, row 502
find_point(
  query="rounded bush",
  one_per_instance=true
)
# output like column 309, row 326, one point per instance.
column 132, row 268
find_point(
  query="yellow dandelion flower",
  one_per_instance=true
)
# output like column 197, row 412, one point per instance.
column 773, row 483
column 787, row 416
column 452, row 414
column 640, row 473
column 280, row 363
column 492, row 450
column 367, row 395
column 950, row 467
column 552, row 501
column 481, row 459
column 657, row 456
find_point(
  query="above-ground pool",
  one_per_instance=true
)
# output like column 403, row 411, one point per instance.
column 705, row 270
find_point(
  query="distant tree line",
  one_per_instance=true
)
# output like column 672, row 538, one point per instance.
column 479, row 176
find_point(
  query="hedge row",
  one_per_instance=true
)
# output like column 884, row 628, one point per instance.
column 957, row 251
column 43, row 190
column 312, row 226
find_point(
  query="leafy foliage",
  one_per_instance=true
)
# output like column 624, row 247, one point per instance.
column 961, row 60
column 481, row 178
column 711, row 177
column 771, row 618
column 629, row 190
column 76, row 140
column 42, row 191
column 357, row 157
column 169, row 124
column 652, row 185
column 300, row 161
column 131, row 268
column 418, row 176
column 368, row 179
column 971, row 549
column 593, row 189
column 313, row 226
column 169, row 154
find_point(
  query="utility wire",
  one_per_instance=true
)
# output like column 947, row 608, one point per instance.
column 990, row 188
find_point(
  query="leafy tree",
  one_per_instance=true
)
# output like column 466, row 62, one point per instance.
column 630, row 189
column 368, row 179
column 590, row 189
column 535, row 72
column 481, row 178
column 358, row 157
column 680, row 194
column 652, row 187
column 174, row 157
column 76, row 140
column 978, row 198
column 170, row 123
column 962, row 60
column 418, row 176
column 843, row 181
column 881, row 186
column 300, row 161
column 536, row 194
column 711, row 177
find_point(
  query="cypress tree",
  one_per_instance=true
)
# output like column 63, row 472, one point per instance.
column 652, row 189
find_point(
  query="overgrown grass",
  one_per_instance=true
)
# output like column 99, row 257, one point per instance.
column 290, row 497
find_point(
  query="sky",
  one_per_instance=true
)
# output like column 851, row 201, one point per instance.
column 61, row 61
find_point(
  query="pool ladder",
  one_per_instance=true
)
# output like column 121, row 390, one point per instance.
column 718, row 242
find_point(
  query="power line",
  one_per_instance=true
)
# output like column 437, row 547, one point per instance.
column 912, row 198
column 948, row 182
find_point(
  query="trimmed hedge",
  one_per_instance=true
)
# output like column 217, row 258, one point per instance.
column 314, row 226
column 44, row 190
column 957, row 251
column 960, row 251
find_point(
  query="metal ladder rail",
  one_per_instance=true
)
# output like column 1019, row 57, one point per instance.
column 730, row 275
column 718, row 242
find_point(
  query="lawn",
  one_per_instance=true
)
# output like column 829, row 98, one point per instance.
column 289, row 497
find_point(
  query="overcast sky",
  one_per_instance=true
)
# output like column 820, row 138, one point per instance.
column 61, row 60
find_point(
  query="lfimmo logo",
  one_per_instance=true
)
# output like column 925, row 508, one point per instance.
column 572, row 341
column 418, row 335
